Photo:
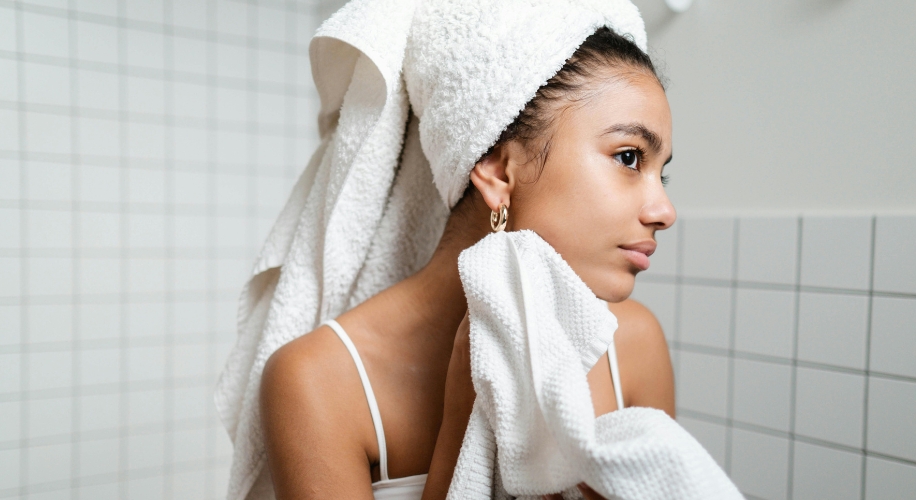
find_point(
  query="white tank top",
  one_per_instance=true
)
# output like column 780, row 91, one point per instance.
column 411, row 487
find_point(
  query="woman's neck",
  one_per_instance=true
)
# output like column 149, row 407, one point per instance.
column 432, row 300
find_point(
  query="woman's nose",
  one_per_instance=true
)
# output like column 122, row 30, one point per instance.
column 658, row 210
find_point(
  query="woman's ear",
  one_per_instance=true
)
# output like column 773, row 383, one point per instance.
column 492, row 177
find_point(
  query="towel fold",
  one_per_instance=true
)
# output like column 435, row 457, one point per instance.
column 536, row 329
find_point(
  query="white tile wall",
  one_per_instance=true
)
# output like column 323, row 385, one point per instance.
column 137, row 164
column 821, row 472
column 836, row 252
column 759, row 464
column 832, row 329
column 794, row 349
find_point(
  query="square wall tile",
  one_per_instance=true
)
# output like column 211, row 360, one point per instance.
column 100, row 366
column 10, row 419
column 708, row 247
column 146, row 319
column 702, row 383
column 190, row 484
column 50, row 276
column 49, row 417
column 100, row 184
column 705, row 315
column 9, row 122
column 145, row 95
column 765, row 322
column 832, row 329
column 50, row 370
column 145, row 49
column 99, row 230
column 50, row 322
column 8, row 29
column 821, row 472
column 710, row 435
column 760, row 464
column 9, row 86
column 9, row 178
column 47, row 181
column 9, row 373
column 10, row 325
column 45, row 35
column 97, row 43
column 99, row 321
column 762, row 394
column 663, row 262
column 150, row 11
column 191, row 403
column 46, row 84
column 146, row 231
column 49, row 463
column 829, row 406
column 146, row 363
column 190, row 445
column 891, row 413
column 100, row 276
column 9, row 462
column 146, row 275
column 893, row 336
column 660, row 299
column 146, row 408
column 104, row 491
column 836, row 252
column 189, row 360
column 190, row 14
column 146, row 488
column 9, row 221
column 99, row 456
column 50, row 229
column 145, row 451
column 99, row 412
column 99, row 138
column 768, row 249
column 47, row 133
column 895, row 246
column 97, row 90
column 887, row 480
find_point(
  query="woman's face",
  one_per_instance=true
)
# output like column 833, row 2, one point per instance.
column 600, row 197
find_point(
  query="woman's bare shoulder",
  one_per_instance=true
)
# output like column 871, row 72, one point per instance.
column 645, row 364
column 313, row 414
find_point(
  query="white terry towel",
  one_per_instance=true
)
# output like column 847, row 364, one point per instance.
column 536, row 330
column 412, row 94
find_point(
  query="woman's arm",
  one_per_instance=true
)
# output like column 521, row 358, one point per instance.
column 459, row 400
column 313, row 428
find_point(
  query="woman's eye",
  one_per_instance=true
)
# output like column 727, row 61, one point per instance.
column 629, row 158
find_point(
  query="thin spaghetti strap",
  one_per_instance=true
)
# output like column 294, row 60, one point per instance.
column 370, row 397
column 615, row 373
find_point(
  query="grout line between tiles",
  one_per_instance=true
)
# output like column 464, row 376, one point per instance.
column 24, row 330
column 732, row 310
column 868, row 333
column 793, row 372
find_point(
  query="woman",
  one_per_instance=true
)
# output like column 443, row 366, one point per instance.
column 581, row 166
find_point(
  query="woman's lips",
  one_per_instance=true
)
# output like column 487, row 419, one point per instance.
column 638, row 253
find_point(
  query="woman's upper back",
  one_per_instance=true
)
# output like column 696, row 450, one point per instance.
column 320, row 435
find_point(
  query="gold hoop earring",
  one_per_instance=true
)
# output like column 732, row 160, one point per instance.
column 498, row 220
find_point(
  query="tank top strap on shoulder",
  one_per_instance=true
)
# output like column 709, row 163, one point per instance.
column 615, row 373
column 370, row 397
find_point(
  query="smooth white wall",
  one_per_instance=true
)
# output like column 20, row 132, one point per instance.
column 790, row 104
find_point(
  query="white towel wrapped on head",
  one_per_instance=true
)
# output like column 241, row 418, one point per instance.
column 536, row 331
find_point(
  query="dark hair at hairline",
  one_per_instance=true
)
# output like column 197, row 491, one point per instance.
column 601, row 50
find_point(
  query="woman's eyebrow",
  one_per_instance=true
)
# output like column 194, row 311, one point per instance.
column 638, row 129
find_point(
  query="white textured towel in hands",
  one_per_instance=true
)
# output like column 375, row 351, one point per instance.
column 536, row 330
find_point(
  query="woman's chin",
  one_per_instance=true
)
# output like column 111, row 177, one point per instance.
column 616, row 287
